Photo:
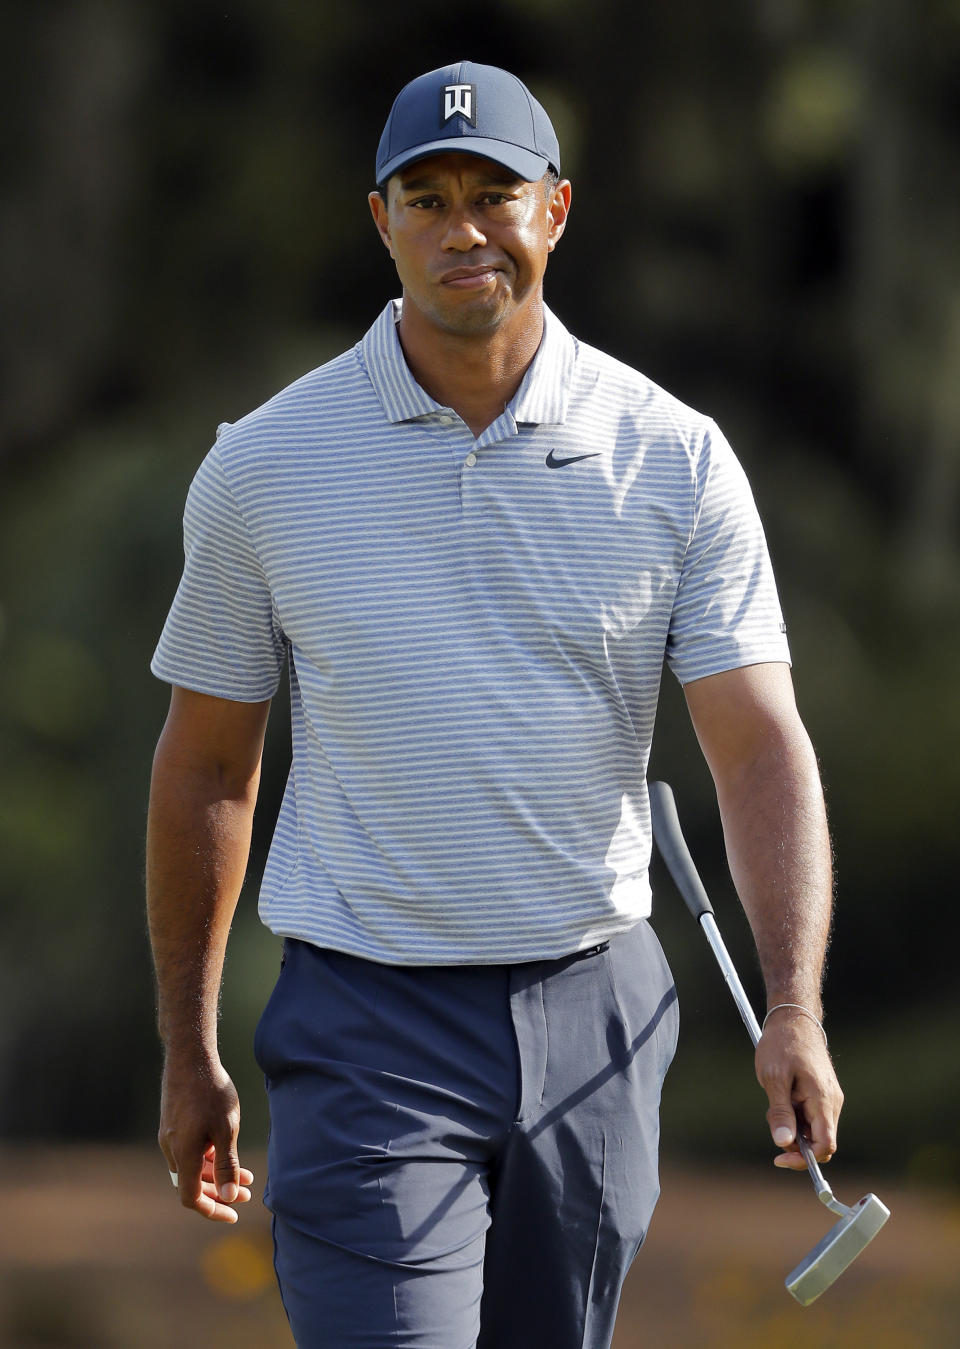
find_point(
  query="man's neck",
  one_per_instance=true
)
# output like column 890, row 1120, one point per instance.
column 476, row 374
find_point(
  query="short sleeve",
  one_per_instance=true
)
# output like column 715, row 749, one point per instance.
column 727, row 613
column 221, row 636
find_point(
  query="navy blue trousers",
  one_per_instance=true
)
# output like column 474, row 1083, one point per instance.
column 463, row 1158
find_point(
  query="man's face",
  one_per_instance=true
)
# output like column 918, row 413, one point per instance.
column 469, row 239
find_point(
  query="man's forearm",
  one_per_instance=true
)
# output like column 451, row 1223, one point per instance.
column 198, row 842
column 778, row 847
column 774, row 821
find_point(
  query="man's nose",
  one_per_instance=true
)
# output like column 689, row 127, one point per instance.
column 463, row 232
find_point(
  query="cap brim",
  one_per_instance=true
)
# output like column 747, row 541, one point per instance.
column 523, row 163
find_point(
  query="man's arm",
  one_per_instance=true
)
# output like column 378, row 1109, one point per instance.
column 775, row 829
column 206, row 772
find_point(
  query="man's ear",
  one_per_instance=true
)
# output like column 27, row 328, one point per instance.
column 559, row 208
column 378, row 209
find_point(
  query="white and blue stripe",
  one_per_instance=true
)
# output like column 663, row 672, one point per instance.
column 475, row 640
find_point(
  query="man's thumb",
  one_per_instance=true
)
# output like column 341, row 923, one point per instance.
column 226, row 1172
column 783, row 1125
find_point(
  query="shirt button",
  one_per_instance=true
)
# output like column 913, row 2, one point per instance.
column 470, row 460
column 446, row 421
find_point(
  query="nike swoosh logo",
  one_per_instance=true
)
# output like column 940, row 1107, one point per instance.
column 553, row 462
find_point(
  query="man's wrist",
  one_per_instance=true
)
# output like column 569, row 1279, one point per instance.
column 188, row 1054
column 797, row 1009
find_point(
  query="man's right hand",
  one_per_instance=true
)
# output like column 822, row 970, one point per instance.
column 199, row 1125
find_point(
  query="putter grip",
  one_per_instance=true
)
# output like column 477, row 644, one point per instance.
column 674, row 851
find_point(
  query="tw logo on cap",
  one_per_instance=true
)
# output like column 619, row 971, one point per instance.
column 459, row 100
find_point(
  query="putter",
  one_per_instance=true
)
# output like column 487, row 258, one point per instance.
column 857, row 1225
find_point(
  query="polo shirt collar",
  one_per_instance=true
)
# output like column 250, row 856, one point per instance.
column 542, row 398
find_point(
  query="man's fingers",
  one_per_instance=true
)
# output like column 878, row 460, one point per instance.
column 784, row 1128
column 821, row 1133
column 202, row 1191
column 195, row 1187
column 188, row 1174
column 208, row 1207
column 792, row 1158
column 204, row 1196
column 790, row 1161
column 211, row 1192
column 787, row 1120
column 245, row 1176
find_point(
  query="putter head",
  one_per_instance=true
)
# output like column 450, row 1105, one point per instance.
column 838, row 1249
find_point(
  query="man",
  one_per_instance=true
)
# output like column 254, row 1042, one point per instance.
column 475, row 540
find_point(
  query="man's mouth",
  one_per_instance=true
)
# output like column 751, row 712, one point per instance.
column 469, row 278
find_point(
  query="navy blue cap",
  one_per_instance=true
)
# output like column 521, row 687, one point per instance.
column 477, row 110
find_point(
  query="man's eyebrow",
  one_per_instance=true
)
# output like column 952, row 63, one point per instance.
column 425, row 182
column 417, row 184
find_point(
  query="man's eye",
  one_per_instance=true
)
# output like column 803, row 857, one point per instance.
column 425, row 203
column 494, row 198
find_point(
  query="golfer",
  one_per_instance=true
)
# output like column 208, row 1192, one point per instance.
column 472, row 541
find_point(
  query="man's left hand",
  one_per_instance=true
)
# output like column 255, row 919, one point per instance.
column 794, row 1069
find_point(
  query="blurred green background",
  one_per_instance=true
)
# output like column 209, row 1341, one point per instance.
column 765, row 221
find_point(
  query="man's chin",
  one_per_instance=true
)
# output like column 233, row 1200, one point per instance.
column 478, row 314
column 474, row 323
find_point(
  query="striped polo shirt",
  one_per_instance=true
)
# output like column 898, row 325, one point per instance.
column 475, row 631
